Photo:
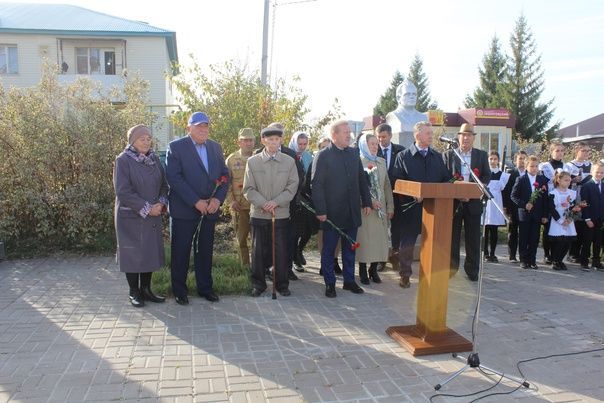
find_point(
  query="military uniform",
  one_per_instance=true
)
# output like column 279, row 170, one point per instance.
column 241, row 219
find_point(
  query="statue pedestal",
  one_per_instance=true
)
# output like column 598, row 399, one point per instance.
column 404, row 138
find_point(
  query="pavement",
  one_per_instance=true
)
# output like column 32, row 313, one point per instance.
column 69, row 334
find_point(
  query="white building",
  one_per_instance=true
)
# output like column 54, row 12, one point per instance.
column 87, row 43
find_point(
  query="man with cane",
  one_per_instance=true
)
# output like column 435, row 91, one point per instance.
column 270, row 183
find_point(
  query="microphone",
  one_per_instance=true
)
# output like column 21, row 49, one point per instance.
column 452, row 142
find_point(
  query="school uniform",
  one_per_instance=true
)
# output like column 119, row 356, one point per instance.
column 561, row 235
column 582, row 169
column 592, row 193
column 492, row 217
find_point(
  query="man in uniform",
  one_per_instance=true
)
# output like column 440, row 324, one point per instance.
column 240, row 207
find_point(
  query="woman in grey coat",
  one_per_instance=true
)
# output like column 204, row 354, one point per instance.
column 140, row 199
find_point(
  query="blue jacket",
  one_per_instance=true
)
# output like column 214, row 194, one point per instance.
column 595, row 201
column 190, row 181
column 521, row 193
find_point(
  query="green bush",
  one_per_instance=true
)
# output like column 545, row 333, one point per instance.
column 57, row 146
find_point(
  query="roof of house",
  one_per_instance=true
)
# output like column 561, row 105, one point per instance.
column 68, row 20
column 593, row 125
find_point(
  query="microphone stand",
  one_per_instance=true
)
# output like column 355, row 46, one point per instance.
column 473, row 360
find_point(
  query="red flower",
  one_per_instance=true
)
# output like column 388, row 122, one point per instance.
column 369, row 166
column 298, row 157
column 476, row 171
column 457, row 177
column 564, row 204
column 536, row 184
column 544, row 188
column 355, row 246
column 223, row 179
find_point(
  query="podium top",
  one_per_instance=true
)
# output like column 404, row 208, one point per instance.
column 455, row 190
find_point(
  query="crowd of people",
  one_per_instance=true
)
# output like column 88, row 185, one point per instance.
column 281, row 196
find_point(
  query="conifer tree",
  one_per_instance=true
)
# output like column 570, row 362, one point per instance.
column 387, row 102
column 492, row 74
column 418, row 77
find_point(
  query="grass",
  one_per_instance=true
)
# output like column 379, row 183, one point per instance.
column 229, row 277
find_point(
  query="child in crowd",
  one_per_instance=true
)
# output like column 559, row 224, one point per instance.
column 579, row 169
column 548, row 169
column 511, row 209
column 563, row 212
column 592, row 193
column 492, row 216
column 530, row 195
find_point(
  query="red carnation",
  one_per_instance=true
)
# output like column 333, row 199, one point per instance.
column 536, row 184
column 355, row 246
column 298, row 157
column 369, row 166
column 476, row 171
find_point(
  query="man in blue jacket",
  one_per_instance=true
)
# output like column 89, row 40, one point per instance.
column 198, row 179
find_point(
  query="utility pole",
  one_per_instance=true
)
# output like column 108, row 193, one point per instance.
column 265, row 43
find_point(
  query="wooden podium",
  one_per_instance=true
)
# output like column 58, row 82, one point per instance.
column 430, row 334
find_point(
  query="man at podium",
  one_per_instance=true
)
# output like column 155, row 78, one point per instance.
column 418, row 163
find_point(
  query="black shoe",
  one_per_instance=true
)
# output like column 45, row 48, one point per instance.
column 336, row 266
column 182, row 300
column 535, row 267
column 136, row 299
column 494, row 259
column 298, row 268
column 286, row 292
column 404, row 282
column 374, row 276
column 353, row 287
column 291, row 276
column 301, row 258
column 210, row 296
column 513, row 259
column 363, row 274
column 547, row 260
column 525, row 266
column 330, row 291
column 148, row 295
column 597, row 266
column 256, row 292
column 557, row 266
column 563, row 266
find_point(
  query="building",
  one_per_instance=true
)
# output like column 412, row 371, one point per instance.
column 87, row 43
column 590, row 131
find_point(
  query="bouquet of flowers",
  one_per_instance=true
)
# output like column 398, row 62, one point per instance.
column 353, row 244
column 217, row 183
column 573, row 208
column 537, row 192
column 376, row 192
column 457, row 177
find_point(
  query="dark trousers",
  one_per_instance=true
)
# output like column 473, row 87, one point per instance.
column 576, row 247
column 528, row 239
column 490, row 239
column 405, row 253
column 513, row 237
column 133, row 280
column 592, row 239
column 560, row 246
column 182, row 232
column 262, row 252
column 472, row 228
column 330, row 240
column 545, row 241
column 395, row 229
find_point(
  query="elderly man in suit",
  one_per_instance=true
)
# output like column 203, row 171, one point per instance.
column 198, row 179
column 339, row 192
column 467, row 211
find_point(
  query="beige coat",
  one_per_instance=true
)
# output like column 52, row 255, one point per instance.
column 374, row 234
column 270, row 180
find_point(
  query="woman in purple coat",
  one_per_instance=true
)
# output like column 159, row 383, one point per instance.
column 140, row 199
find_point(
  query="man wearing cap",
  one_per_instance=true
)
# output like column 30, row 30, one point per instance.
column 270, row 183
column 467, row 211
column 196, row 173
column 339, row 193
column 240, row 207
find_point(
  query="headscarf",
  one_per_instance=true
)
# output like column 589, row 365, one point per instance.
column 364, row 150
column 293, row 143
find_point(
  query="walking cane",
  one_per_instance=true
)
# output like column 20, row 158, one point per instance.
column 274, row 261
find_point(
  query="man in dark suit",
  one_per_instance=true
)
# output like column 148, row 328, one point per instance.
column 339, row 192
column 198, row 179
column 388, row 151
column 511, row 209
column 592, row 192
column 467, row 211
column 418, row 163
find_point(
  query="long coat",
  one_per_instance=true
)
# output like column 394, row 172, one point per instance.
column 339, row 186
column 373, row 235
column 140, row 245
column 412, row 166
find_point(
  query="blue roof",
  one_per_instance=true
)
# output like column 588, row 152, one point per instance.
column 63, row 19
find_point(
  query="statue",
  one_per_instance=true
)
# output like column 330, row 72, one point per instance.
column 405, row 116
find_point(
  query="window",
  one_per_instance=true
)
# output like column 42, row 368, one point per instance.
column 95, row 61
column 9, row 62
column 489, row 141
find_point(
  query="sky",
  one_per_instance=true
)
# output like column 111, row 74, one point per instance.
column 350, row 50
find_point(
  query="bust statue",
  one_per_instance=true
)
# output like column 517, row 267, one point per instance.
column 405, row 116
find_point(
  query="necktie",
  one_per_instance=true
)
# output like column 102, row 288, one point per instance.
column 601, row 188
column 423, row 153
column 386, row 156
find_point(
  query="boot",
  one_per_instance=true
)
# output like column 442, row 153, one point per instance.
column 135, row 298
column 363, row 273
column 336, row 266
column 373, row 273
column 148, row 295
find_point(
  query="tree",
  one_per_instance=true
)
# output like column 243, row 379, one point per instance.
column 58, row 144
column 418, row 77
column 525, row 84
column 388, row 101
column 492, row 74
column 234, row 98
